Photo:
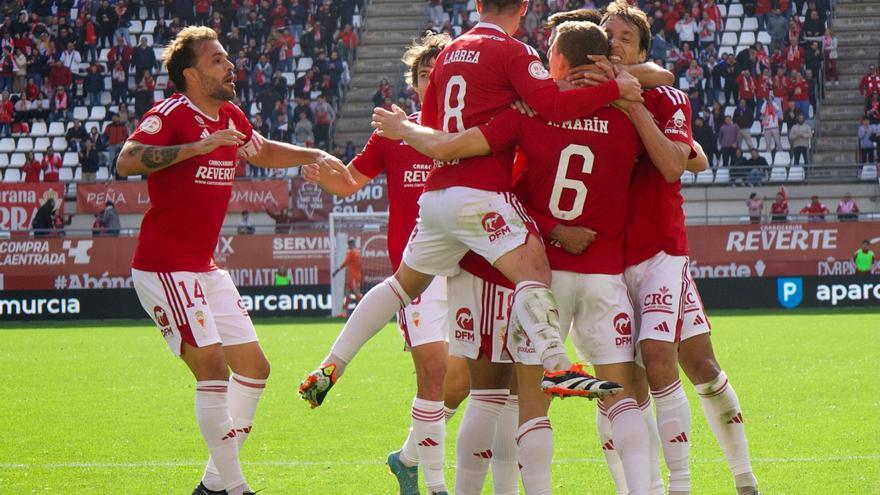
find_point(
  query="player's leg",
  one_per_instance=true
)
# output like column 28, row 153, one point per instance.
column 505, row 467
column 177, row 303
column 658, row 286
column 534, row 437
column 717, row 396
column 456, row 386
column 641, row 391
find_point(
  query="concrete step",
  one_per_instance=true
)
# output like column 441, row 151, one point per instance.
column 836, row 143
column 391, row 9
column 859, row 67
column 358, row 138
column 835, row 157
column 856, row 53
column 840, row 97
column 353, row 125
column 857, row 22
column 381, row 52
column 856, row 9
column 400, row 22
column 379, row 65
column 398, row 38
column 854, row 112
column 857, row 36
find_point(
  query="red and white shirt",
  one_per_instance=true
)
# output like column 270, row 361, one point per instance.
column 477, row 76
column 188, row 200
column 577, row 174
column 654, row 216
column 407, row 170
column 51, row 167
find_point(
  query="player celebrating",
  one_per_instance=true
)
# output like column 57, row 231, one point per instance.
column 673, row 323
column 423, row 323
column 188, row 145
column 566, row 162
column 353, row 278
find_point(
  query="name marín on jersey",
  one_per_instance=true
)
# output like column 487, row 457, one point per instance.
column 587, row 125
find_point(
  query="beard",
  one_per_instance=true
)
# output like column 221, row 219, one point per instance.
column 221, row 92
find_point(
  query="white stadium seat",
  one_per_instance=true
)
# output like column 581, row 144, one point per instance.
column 12, row 175
column 24, row 144
column 747, row 38
column 735, row 10
column 687, row 177
column 705, row 177
column 70, row 159
column 869, row 172
column 39, row 129
column 764, row 37
column 733, row 24
column 16, row 160
column 102, row 174
column 304, row 64
column 729, row 39
column 722, row 175
column 59, row 143
column 56, row 129
column 796, row 173
column 750, row 24
column 41, row 144
column 4, row 160
column 80, row 113
column 99, row 112
column 65, row 174
column 7, row 145
column 778, row 174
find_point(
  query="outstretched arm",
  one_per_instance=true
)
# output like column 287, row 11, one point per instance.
column 137, row 158
column 276, row 154
column 436, row 144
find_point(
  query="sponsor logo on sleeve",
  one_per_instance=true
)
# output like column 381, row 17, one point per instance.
column 676, row 124
column 537, row 70
column 151, row 125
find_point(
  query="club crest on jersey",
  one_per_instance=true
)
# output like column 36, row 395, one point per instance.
column 495, row 226
column 676, row 124
column 200, row 317
column 537, row 70
column 151, row 125
column 416, row 318
column 465, row 321
column 623, row 327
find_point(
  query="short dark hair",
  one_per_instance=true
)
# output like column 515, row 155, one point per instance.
column 634, row 16
column 558, row 18
column 502, row 4
column 182, row 52
column 575, row 40
column 421, row 51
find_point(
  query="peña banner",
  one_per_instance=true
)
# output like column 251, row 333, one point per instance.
column 133, row 197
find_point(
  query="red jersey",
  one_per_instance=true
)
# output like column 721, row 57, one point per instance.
column 188, row 200
column 654, row 215
column 578, row 173
column 746, row 86
column 51, row 167
column 407, row 170
column 477, row 76
column 32, row 171
column 800, row 91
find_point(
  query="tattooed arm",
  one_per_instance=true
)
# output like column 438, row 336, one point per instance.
column 138, row 159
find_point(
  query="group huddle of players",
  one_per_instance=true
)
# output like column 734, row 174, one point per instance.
column 553, row 207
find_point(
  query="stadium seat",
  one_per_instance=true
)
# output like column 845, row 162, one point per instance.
column 290, row 77
column 722, row 175
column 723, row 9
column 750, row 24
column 869, row 172
column 728, row 111
column 55, row 129
column 104, row 125
column 764, row 38
column 782, row 158
column 356, row 21
column 106, row 98
column 796, row 174
column 687, row 177
column 786, row 145
column 65, row 174
column 134, row 177
column 41, row 144
column 733, row 24
column 102, row 174
column 99, row 112
column 149, row 26
column 705, row 177
column 16, row 160
column 474, row 17
column 4, row 160
column 59, row 143
column 683, row 84
column 77, row 175
column 70, row 159
column 24, row 144
column 162, row 81
column 297, row 51
column 778, row 174
column 729, row 39
column 39, row 129
column 734, row 10
column 149, row 37
column 81, row 113
column 304, row 64
column 747, row 38
column 12, row 175
column 135, row 27
column 102, row 55
column 7, row 145
column 756, row 128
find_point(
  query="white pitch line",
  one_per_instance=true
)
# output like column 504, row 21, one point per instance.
column 293, row 463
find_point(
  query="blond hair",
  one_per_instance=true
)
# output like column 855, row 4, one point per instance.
column 181, row 52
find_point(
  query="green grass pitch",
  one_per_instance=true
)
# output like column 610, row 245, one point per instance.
column 107, row 409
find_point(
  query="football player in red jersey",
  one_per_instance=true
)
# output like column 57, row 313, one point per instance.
column 574, row 177
column 673, row 327
column 188, row 146
column 423, row 324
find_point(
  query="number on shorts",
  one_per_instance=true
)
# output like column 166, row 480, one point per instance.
column 198, row 293
column 562, row 182
column 504, row 304
column 454, row 112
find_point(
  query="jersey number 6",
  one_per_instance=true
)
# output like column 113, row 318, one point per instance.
column 562, row 182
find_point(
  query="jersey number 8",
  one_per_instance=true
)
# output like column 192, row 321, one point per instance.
column 451, row 112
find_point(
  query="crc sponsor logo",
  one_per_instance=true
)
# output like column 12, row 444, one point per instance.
column 732, row 270
column 658, row 302
column 623, row 327
column 495, row 226
column 790, row 291
column 465, row 322
column 841, row 293
column 39, row 306
column 782, row 238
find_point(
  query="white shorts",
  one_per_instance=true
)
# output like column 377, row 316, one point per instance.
column 694, row 320
column 658, row 287
column 455, row 220
column 596, row 311
column 425, row 319
column 197, row 308
column 478, row 310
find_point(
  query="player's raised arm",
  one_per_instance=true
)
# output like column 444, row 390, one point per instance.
column 649, row 74
column 276, row 154
column 436, row 144
column 137, row 158
column 670, row 157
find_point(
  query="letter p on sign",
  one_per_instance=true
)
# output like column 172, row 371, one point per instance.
column 790, row 292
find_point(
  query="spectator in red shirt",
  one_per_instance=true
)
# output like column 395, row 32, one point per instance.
column 815, row 211
column 746, row 84
column 347, row 43
column 781, row 87
column 794, row 58
column 7, row 111
column 60, row 75
column 763, row 85
column 800, row 93
column 870, row 83
column 31, row 168
column 51, row 165
column 779, row 208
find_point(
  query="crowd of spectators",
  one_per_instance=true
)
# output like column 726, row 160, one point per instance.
column 292, row 64
column 814, row 211
column 869, row 130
